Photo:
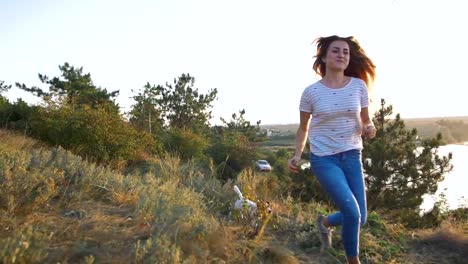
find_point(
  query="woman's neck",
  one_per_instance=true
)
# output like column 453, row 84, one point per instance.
column 335, row 79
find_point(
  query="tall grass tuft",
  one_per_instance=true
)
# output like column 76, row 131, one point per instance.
column 172, row 213
column 25, row 245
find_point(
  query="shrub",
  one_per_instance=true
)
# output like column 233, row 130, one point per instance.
column 97, row 134
column 186, row 144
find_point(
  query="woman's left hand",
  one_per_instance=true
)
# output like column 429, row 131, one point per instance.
column 369, row 131
column 293, row 164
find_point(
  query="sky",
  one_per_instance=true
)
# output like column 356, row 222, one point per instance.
column 258, row 54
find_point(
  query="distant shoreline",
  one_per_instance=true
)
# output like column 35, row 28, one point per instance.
column 434, row 118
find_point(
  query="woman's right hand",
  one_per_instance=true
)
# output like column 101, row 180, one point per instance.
column 292, row 164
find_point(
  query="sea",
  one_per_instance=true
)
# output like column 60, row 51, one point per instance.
column 455, row 184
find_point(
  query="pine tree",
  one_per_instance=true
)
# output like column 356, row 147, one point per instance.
column 183, row 106
column 4, row 87
column 79, row 116
column 401, row 168
column 145, row 113
column 73, row 88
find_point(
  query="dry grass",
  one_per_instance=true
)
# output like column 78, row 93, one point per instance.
column 19, row 142
column 448, row 244
column 56, row 207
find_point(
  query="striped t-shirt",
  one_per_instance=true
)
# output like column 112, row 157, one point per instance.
column 336, row 121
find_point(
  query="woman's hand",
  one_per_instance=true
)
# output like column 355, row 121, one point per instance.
column 369, row 131
column 292, row 164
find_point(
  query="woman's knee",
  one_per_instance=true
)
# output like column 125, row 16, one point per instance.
column 355, row 214
column 352, row 214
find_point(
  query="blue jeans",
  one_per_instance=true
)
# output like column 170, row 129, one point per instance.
column 342, row 178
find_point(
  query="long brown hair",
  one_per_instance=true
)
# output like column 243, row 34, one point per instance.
column 360, row 65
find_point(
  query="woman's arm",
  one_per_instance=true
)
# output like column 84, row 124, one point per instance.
column 368, row 128
column 301, row 139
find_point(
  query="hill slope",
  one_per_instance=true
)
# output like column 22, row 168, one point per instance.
column 56, row 207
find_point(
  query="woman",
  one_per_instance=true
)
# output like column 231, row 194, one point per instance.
column 334, row 115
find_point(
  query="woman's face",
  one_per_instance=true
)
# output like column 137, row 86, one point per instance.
column 337, row 57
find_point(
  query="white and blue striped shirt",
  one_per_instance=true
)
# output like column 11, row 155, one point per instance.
column 336, row 120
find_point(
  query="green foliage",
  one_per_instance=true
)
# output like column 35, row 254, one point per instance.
column 145, row 113
column 4, row 87
column 234, row 145
column 178, row 105
column 17, row 116
column 242, row 126
column 278, row 160
column 399, row 173
column 282, row 153
column 96, row 133
column 231, row 152
column 375, row 224
column 184, row 106
column 281, row 140
column 79, row 116
column 382, row 242
column 5, row 111
column 433, row 218
column 305, row 187
column 440, row 211
column 186, row 143
column 460, row 214
column 76, row 89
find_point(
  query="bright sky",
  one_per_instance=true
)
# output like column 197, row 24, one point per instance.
column 257, row 53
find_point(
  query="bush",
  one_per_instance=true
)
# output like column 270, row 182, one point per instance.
column 98, row 134
column 232, row 152
column 186, row 144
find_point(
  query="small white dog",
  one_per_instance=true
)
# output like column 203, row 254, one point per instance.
column 242, row 203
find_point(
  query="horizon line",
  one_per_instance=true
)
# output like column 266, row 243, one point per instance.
column 404, row 118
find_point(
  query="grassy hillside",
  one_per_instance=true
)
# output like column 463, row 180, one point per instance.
column 58, row 208
column 453, row 129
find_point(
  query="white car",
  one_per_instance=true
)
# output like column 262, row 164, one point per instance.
column 263, row 165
